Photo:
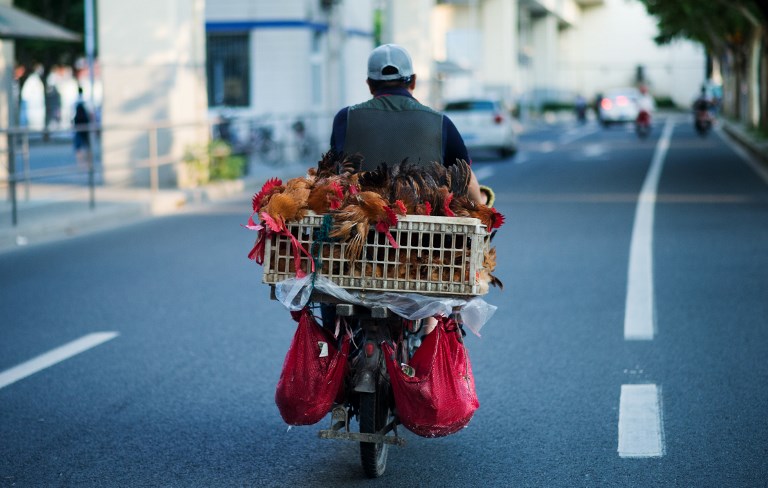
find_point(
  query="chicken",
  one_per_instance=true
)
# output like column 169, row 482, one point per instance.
column 486, row 278
column 377, row 180
column 337, row 167
column 272, row 186
column 458, row 176
column 466, row 207
column 353, row 221
column 325, row 196
column 288, row 205
column 442, row 198
column 406, row 184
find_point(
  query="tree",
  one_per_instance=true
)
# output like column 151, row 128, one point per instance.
column 734, row 33
column 69, row 14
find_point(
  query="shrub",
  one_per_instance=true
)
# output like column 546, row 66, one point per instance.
column 224, row 165
column 212, row 162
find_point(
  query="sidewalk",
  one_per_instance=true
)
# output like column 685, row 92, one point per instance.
column 756, row 147
column 50, row 212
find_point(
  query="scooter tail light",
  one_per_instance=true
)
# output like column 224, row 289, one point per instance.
column 369, row 347
column 498, row 119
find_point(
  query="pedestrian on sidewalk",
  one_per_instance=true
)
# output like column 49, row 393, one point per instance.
column 81, row 139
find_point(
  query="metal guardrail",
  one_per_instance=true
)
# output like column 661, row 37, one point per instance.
column 263, row 139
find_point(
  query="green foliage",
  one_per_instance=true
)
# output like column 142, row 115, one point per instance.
column 223, row 164
column 378, row 26
column 69, row 14
column 664, row 102
column 212, row 162
column 555, row 106
column 716, row 24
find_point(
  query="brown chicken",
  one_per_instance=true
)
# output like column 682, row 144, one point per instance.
column 466, row 207
column 443, row 184
column 337, row 167
column 271, row 187
column 325, row 197
column 486, row 278
column 288, row 205
column 334, row 174
column 353, row 221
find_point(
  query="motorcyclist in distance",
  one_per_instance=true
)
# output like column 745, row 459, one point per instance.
column 702, row 112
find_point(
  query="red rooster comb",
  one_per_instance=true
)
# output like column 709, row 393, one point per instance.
column 497, row 220
column 428, row 208
column 447, row 204
column 266, row 188
column 391, row 216
column 400, row 207
column 338, row 196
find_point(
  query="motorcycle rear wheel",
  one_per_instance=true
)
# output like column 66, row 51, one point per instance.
column 374, row 416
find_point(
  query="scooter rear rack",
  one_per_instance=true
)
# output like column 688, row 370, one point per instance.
column 340, row 430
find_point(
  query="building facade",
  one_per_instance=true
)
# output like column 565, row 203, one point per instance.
column 532, row 52
column 193, row 60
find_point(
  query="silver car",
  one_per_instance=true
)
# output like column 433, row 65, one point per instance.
column 483, row 124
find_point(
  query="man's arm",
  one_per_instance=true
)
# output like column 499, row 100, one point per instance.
column 453, row 149
column 474, row 190
column 453, row 144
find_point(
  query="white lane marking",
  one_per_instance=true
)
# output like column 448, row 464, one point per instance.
column 639, row 323
column 54, row 356
column 641, row 428
column 576, row 135
column 484, row 172
column 547, row 146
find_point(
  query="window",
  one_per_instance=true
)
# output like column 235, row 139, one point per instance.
column 228, row 70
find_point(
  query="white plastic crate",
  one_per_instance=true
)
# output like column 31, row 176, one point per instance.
column 436, row 256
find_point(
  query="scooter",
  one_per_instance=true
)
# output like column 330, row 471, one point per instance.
column 643, row 124
column 703, row 122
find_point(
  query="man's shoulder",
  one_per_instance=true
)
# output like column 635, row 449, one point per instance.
column 393, row 102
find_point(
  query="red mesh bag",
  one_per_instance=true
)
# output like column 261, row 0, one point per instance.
column 313, row 373
column 439, row 399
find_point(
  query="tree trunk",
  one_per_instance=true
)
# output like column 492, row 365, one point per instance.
column 763, row 84
column 753, row 56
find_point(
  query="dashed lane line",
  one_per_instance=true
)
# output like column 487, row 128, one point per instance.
column 54, row 356
column 641, row 426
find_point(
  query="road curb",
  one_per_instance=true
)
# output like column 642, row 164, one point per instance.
column 757, row 148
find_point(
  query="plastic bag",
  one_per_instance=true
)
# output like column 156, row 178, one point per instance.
column 435, row 393
column 313, row 373
column 294, row 294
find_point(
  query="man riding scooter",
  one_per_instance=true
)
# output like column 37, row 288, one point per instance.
column 645, row 106
column 702, row 113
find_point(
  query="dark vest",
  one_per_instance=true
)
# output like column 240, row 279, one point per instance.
column 391, row 128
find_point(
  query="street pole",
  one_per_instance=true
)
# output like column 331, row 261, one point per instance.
column 89, row 53
column 11, row 137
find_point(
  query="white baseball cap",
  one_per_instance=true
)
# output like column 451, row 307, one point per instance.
column 389, row 62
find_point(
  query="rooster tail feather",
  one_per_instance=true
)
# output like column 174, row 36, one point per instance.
column 354, row 248
column 460, row 175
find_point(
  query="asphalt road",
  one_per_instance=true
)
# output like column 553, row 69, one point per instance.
column 181, row 392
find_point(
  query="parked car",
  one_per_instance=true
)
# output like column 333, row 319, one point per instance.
column 619, row 105
column 484, row 124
